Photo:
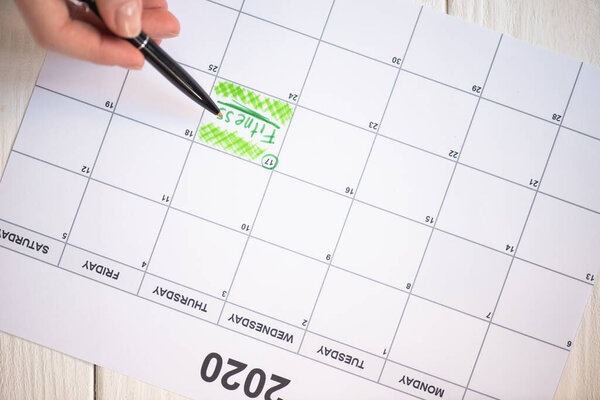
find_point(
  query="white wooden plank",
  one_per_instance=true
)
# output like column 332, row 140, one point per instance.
column 570, row 27
column 113, row 385
column 32, row 372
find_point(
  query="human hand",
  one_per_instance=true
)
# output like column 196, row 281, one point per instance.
column 60, row 26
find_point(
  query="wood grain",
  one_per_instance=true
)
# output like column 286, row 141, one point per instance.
column 29, row 371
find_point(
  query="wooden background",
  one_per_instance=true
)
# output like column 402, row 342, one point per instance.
column 29, row 371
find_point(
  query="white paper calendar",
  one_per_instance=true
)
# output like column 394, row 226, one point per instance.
column 395, row 205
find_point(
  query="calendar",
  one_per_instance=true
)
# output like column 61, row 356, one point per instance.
column 395, row 204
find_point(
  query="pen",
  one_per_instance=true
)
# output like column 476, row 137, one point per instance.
column 164, row 64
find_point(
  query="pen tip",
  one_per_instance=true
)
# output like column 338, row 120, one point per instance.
column 220, row 115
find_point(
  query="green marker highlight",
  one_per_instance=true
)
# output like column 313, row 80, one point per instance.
column 244, row 109
column 280, row 110
column 229, row 141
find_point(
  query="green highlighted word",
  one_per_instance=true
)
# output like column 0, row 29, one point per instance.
column 280, row 110
column 229, row 141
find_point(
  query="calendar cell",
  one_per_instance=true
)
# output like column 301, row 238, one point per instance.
column 68, row 136
column 101, row 269
column 267, row 57
column 205, row 26
column 151, row 170
column 428, row 115
column 485, row 209
column 327, row 89
column 573, row 171
column 277, row 282
column 71, row 77
column 529, row 368
column 421, row 385
column 151, row 99
column 381, row 246
column 582, row 114
column 405, row 180
column 555, row 299
column 438, row 341
column 562, row 237
column 197, row 254
column 235, row 4
column 230, row 197
column 465, row 51
column 261, row 327
column 385, row 40
column 301, row 217
column 462, row 275
column 519, row 79
column 509, row 144
column 181, row 298
column 29, row 243
column 314, row 139
column 120, row 226
column 306, row 16
column 357, row 312
column 341, row 356
column 39, row 196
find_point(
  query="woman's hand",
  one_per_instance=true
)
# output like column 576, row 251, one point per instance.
column 60, row 26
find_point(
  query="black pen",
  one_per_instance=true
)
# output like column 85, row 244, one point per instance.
column 164, row 64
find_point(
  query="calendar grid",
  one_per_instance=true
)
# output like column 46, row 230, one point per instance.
column 92, row 167
column 286, row 323
column 185, row 161
column 358, row 183
column 528, row 187
column 365, row 130
column 441, row 205
column 352, row 198
column 325, row 189
column 524, row 227
column 272, row 171
column 306, row 256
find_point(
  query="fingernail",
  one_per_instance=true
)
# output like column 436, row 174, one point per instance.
column 167, row 35
column 129, row 19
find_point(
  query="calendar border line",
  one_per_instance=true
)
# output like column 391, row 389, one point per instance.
column 87, row 184
column 524, row 228
column 346, row 123
column 216, row 77
column 514, row 256
column 204, row 320
column 219, row 299
column 257, row 312
column 396, row 67
column 439, row 211
column 191, row 214
column 290, row 122
column 366, row 163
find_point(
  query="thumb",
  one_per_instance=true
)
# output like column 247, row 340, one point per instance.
column 122, row 17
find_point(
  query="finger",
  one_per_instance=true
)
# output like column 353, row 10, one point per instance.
column 159, row 23
column 122, row 17
column 53, row 29
column 80, row 40
column 155, row 4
